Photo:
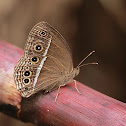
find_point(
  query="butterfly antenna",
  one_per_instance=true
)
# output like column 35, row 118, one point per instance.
column 85, row 59
column 87, row 64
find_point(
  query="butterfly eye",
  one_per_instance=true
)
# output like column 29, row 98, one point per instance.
column 35, row 59
column 26, row 81
column 27, row 73
column 38, row 47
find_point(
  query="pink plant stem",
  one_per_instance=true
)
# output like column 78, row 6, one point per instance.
column 91, row 108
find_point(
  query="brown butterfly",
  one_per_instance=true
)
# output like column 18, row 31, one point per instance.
column 47, row 62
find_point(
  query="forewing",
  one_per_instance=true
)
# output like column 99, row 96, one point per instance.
column 29, row 66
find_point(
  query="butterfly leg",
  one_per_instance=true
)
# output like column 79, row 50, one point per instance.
column 57, row 93
column 76, row 86
column 18, row 113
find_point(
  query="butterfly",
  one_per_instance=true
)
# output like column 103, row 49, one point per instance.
column 46, row 63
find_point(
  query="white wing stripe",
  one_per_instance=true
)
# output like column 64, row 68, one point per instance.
column 41, row 64
column 38, row 71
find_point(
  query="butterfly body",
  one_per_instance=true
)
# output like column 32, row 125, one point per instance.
column 46, row 63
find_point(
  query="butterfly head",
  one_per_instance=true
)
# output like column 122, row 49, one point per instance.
column 76, row 71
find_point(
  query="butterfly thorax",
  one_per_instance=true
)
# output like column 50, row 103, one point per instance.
column 69, row 76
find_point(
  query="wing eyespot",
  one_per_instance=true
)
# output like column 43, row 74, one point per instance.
column 35, row 59
column 26, row 81
column 27, row 68
column 27, row 73
column 43, row 33
column 30, row 63
column 26, row 88
column 38, row 47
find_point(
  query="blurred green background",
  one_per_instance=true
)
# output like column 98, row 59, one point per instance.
column 87, row 25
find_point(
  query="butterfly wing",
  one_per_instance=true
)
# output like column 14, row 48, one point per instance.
column 58, row 62
column 46, row 57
